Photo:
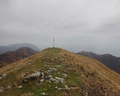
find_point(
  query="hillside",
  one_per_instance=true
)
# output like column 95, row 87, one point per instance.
column 13, row 47
column 109, row 60
column 58, row 72
column 13, row 56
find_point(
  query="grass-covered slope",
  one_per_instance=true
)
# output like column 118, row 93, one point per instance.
column 57, row 72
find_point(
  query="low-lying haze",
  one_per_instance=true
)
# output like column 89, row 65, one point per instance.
column 89, row 25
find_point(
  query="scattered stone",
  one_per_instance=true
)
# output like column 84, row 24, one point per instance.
column 61, row 88
column 65, row 75
column 1, row 90
column 50, row 76
column 52, row 58
column 8, row 87
column 58, row 66
column 24, row 64
column 56, row 82
column 56, row 87
column 53, row 69
column 46, row 65
column 19, row 87
column 32, row 76
column 22, row 76
column 86, row 94
column 4, row 75
column 43, row 94
column 66, row 87
column 2, row 87
column 42, row 80
column 0, row 78
column 60, row 79
column 52, row 79
column 49, row 71
column 42, row 74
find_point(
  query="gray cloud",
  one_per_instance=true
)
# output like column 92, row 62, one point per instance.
column 89, row 25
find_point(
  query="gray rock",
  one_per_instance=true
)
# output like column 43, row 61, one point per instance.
column 52, row 79
column 65, row 75
column 58, row 66
column 61, row 88
column 8, row 87
column 50, row 76
column 2, row 87
column 57, row 82
column 22, row 76
column 33, row 76
column 60, row 79
column 56, row 87
column 42, row 80
column 1, row 90
column 53, row 69
column 4, row 75
column 42, row 74
column 49, row 71
column 43, row 94
column 19, row 87
column 66, row 87
column 0, row 78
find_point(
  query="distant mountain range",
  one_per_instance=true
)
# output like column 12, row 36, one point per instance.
column 109, row 60
column 13, row 56
column 14, row 47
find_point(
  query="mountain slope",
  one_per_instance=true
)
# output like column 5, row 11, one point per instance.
column 58, row 72
column 13, row 56
column 110, row 61
column 14, row 47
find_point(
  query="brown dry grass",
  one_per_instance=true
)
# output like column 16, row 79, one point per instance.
column 17, row 65
column 91, row 66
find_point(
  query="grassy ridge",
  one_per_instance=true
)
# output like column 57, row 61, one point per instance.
column 84, row 75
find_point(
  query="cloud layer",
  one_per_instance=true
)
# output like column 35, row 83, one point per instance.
column 89, row 25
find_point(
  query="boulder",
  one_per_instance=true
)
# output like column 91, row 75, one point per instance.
column 32, row 76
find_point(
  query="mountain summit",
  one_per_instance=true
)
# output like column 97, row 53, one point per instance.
column 13, row 56
column 58, row 72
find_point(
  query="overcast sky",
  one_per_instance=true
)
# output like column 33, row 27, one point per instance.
column 77, row 25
